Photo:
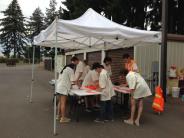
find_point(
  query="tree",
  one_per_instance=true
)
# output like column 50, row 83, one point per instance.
column 77, row 7
column 153, row 14
column 13, row 36
column 51, row 13
column 180, row 17
column 35, row 25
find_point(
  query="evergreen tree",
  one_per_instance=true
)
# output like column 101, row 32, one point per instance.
column 13, row 37
column 51, row 13
column 35, row 25
column 77, row 7
column 180, row 17
column 154, row 14
column 60, row 12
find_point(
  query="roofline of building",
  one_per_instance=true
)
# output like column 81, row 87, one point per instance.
column 175, row 37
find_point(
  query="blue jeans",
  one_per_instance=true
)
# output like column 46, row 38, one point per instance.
column 106, row 111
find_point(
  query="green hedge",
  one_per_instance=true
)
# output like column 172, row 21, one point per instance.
column 2, row 60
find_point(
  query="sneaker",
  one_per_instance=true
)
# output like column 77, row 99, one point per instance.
column 99, row 120
column 96, row 108
column 128, row 122
column 57, row 117
column 88, row 110
column 65, row 120
column 108, row 120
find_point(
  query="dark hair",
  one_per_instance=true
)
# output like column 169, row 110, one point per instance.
column 125, row 56
column 96, row 65
column 107, row 59
column 72, row 66
column 124, row 72
column 74, row 59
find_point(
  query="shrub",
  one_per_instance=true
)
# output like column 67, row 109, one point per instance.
column 2, row 60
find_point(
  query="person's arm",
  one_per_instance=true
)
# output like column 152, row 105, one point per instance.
column 72, row 77
column 102, row 83
column 79, row 76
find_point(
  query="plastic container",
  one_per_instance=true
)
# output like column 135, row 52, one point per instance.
column 175, row 92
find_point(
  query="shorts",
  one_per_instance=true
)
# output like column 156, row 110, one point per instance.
column 63, row 91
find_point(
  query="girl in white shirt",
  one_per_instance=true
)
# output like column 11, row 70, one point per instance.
column 64, row 82
column 91, row 79
column 139, row 90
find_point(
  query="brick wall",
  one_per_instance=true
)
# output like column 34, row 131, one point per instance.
column 93, row 57
column 117, row 62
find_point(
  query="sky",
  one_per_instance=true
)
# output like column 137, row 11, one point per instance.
column 27, row 7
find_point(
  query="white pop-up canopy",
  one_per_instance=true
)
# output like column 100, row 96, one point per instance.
column 91, row 30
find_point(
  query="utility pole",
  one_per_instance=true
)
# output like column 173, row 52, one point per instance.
column 163, row 76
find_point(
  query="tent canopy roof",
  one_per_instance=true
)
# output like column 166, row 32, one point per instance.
column 92, row 30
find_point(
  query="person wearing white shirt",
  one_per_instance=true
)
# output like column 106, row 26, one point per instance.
column 86, row 69
column 79, row 70
column 91, row 79
column 139, row 90
column 107, row 90
column 64, row 83
column 107, row 65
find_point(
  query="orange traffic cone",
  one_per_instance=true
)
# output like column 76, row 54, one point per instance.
column 158, row 102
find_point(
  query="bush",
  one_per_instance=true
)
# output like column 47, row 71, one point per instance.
column 12, row 61
column 2, row 60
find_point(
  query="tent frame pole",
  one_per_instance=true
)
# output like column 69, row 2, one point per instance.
column 163, row 76
column 55, row 76
column 32, row 75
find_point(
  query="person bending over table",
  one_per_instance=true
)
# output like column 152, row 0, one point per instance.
column 106, row 87
column 91, row 79
column 139, row 90
column 64, row 83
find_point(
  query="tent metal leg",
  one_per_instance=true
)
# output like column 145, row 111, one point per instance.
column 55, row 75
column 32, row 78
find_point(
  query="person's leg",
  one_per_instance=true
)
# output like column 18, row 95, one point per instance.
column 133, row 108
column 63, row 119
column 58, row 110
column 63, row 105
column 109, row 112
column 101, row 116
column 140, row 109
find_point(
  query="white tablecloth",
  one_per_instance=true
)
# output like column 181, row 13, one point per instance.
column 80, row 92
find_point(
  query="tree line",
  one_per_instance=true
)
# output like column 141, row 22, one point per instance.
column 17, row 32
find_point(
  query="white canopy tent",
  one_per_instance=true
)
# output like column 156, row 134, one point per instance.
column 91, row 30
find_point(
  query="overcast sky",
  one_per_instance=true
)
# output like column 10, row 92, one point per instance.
column 28, row 6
